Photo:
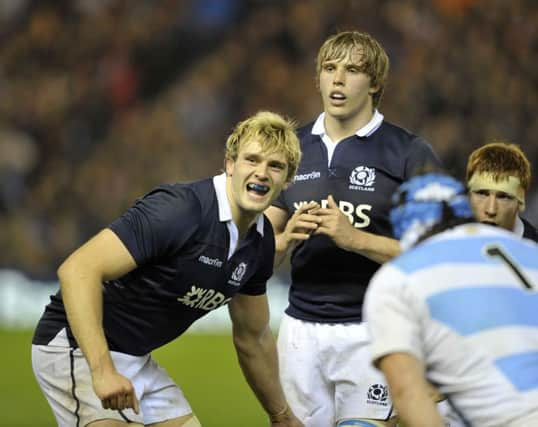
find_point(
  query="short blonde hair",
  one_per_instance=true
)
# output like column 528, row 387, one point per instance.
column 375, row 62
column 501, row 160
column 274, row 132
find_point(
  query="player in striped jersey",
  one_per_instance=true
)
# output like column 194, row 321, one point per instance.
column 459, row 309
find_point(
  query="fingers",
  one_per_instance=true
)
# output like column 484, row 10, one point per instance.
column 136, row 405
column 331, row 209
column 307, row 207
column 121, row 400
column 304, row 220
column 332, row 203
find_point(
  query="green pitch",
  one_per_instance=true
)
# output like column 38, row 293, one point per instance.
column 205, row 367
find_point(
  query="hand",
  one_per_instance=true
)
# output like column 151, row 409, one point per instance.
column 115, row 391
column 301, row 225
column 434, row 393
column 336, row 225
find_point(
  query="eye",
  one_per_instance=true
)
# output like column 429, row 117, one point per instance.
column 481, row 193
column 328, row 67
column 505, row 197
column 278, row 166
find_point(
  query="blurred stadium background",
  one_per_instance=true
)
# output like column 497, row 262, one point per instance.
column 100, row 100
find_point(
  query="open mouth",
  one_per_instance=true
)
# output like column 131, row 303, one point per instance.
column 259, row 189
column 337, row 96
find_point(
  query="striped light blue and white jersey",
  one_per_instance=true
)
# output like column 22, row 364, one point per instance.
column 465, row 303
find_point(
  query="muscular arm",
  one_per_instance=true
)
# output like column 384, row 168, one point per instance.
column 337, row 226
column 292, row 231
column 257, row 355
column 410, row 392
column 81, row 276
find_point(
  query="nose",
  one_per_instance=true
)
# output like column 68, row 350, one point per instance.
column 491, row 205
column 339, row 76
column 261, row 170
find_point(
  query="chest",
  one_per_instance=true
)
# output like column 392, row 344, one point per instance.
column 361, row 177
column 200, row 275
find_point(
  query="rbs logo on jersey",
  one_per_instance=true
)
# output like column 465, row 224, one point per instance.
column 204, row 299
column 356, row 214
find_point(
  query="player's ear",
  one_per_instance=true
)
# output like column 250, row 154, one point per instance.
column 229, row 166
column 373, row 89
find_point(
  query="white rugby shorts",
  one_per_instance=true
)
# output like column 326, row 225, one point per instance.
column 64, row 377
column 327, row 374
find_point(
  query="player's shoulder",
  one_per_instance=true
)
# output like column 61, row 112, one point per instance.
column 304, row 133
column 391, row 132
column 195, row 196
column 466, row 243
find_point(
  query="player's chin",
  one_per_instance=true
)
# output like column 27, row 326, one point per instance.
column 257, row 205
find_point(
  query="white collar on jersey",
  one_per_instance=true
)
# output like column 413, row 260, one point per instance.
column 519, row 227
column 225, row 212
column 366, row 130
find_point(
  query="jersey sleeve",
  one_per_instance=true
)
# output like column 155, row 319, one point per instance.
column 421, row 159
column 392, row 314
column 159, row 223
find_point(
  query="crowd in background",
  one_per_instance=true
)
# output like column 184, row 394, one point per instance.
column 101, row 100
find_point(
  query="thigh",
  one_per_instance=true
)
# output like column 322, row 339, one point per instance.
column 308, row 392
column 185, row 421
column 162, row 400
column 361, row 391
column 65, row 380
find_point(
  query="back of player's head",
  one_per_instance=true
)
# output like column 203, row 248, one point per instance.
column 427, row 201
column 275, row 134
column 499, row 166
column 374, row 61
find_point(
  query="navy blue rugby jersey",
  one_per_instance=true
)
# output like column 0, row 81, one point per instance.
column 178, row 235
column 328, row 283
column 529, row 231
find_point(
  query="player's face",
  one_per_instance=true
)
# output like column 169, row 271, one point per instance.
column 495, row 207
column 255, row 179
column 346, row 91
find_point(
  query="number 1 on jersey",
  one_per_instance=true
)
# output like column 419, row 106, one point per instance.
column 496, row 251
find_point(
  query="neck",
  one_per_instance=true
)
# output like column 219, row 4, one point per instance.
column 241, row 218
column 243, row 224
column 341, row 128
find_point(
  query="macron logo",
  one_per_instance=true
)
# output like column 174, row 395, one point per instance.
column 307, row 176
column 214, row 262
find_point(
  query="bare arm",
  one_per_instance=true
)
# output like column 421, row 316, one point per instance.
column 410, row 391
column 257, row 354
column 292, row 231
column 336, row 225
column 81, row 276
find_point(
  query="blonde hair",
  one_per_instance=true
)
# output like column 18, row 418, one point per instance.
column 500, row 160
column 374, row 59
column 275, row 134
